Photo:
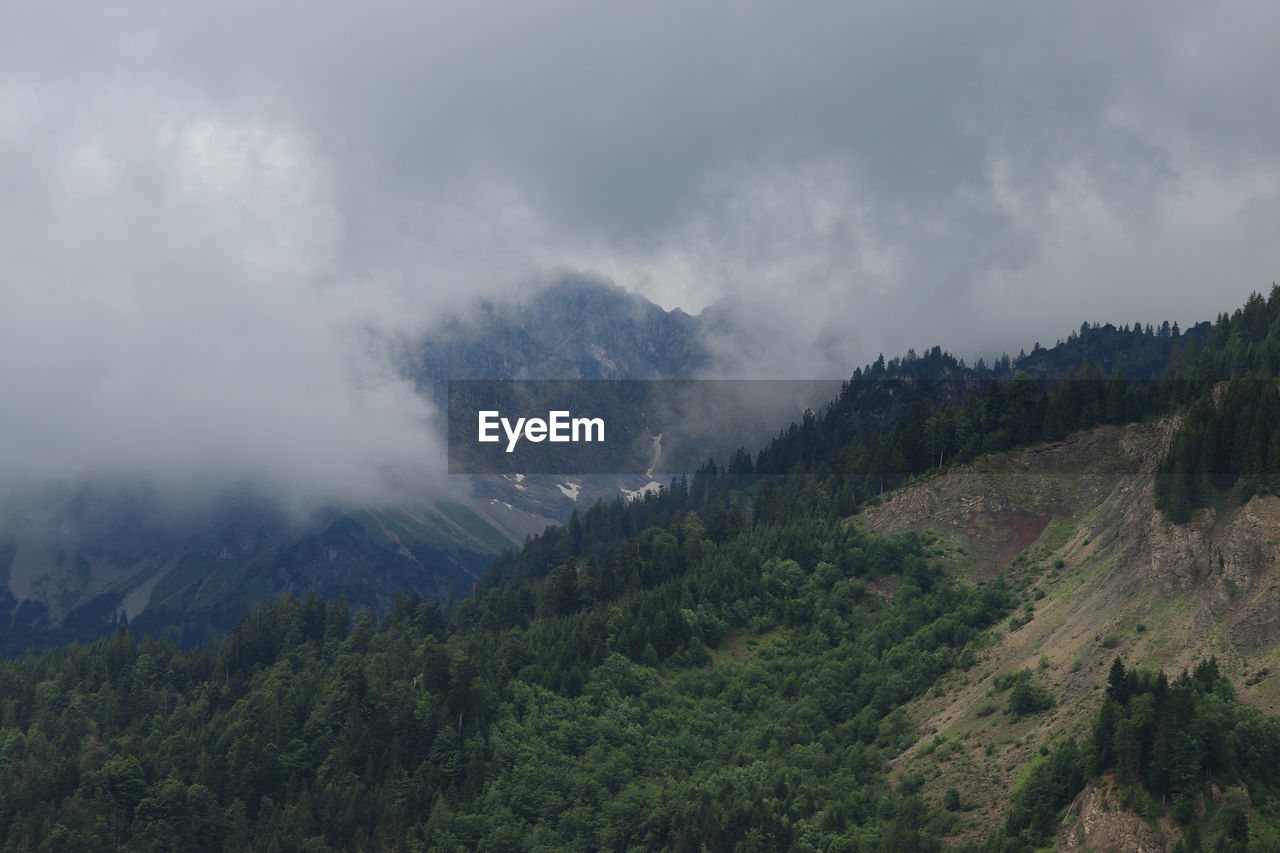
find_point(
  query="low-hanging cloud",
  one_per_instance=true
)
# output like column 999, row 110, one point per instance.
column 219, row 215
column 170, row 309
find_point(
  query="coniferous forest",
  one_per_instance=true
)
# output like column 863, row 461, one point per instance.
column 1164, row 741
column 743, row 693
column 722, row 665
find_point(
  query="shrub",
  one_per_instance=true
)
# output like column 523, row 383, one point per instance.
column 1026, row 699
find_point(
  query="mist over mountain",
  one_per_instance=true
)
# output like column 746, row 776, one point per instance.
column 917, row 588
column 574, row 328
column 930, row 589
column 78, row 554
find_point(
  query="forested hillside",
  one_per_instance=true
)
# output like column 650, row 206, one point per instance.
column 743, row 693
column 722, row 665
column 1231, row 435
column 1172, row 747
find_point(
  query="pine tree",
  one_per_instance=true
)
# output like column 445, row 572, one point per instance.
column 1118, row 683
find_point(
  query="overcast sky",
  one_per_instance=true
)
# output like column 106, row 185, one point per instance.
column 207, row 205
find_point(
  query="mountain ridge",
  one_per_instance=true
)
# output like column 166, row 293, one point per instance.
column 733, row 661
column 75, row 561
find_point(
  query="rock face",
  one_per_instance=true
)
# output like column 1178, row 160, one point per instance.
column 1226, row 560
column 1097, row 821
column 574, row 329
column 1102, row 573
column 1001, row 504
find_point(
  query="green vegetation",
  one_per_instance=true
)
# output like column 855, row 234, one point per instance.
column 1168, row 745
column 1229, row 441
column 721, row 665
column 891, row 425
column 590, row 715
column 1025, row 694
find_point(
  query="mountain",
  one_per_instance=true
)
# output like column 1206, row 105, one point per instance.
column 1072, row 527
column 954, row 617
column 893, row 680
column 574, row 328
column 77, row 560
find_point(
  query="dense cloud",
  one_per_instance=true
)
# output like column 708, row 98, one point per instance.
column 215, row 211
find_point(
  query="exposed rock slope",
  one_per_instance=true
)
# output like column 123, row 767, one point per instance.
column 1097, row 821
column 1073, row 526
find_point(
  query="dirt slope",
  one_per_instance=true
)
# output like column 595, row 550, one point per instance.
column 1072, row 525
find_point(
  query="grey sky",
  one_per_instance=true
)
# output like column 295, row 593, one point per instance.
column 205, row 202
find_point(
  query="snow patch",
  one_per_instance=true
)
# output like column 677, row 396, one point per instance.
column 657, row 454
column 571, row 490
column 634, row 494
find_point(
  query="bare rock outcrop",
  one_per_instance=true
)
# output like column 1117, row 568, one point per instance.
column 1096, row 821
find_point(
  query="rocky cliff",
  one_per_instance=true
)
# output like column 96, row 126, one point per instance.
column 1072, row 527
